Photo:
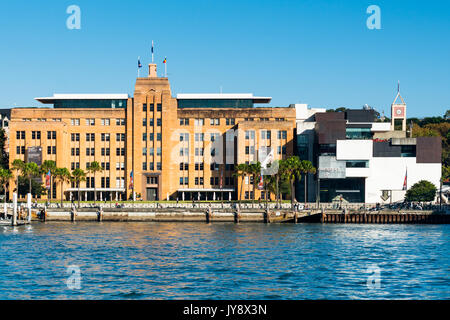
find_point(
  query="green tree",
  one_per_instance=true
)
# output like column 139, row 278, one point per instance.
column 254, row 170
column 4, row 158
column 421, row 191
column 17, row 166
column 78, row 175
column 5, row 176
column 49, row 165
column 290, row 170
column 62, row 175
column 30, row 170
column 37, row 188
column 94, row 167
column 241, row 171
column 307, row 168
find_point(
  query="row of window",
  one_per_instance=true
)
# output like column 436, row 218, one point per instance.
column 91, row 151
column 105, row 165
column 265, row 134
column 103, row 121
column 35, row 135
column 151, row 166
column 104, row 183
column 151, row 137
column 184, row 166
column 152, row 107
column 90, row 137
column 151, row 151
column 213, row 181
column 212, row 121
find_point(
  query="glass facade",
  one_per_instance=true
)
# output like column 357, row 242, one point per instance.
column 351, row 189
column 90, row 103
column 358, row 133
column 215, row 103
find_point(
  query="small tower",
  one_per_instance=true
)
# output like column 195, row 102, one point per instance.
column 398, row 113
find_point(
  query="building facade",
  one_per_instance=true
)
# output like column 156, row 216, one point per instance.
column 153, row 145
column 361, row 159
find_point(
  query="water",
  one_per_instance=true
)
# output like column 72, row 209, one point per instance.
column 224, row 261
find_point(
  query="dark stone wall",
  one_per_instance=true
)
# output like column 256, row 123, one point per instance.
column 429, row 150
column 385, row 149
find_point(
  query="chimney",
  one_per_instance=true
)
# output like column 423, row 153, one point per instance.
column 152, row 70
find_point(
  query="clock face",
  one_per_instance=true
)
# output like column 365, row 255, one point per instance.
column 399, row 112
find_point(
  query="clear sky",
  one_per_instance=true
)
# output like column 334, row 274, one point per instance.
column 315, row 52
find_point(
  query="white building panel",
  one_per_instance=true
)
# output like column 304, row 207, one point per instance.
column 357, row 172
column 381, row 126
column 354, row 149
column 389, row 174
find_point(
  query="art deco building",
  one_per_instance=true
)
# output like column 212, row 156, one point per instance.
column 154, row 144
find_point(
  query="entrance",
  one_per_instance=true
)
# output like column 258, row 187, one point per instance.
column 152, row 194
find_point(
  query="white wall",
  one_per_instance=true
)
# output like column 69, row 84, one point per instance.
column 354, row 149
column 389, row 174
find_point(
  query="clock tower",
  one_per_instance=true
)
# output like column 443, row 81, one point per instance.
column 398, row 113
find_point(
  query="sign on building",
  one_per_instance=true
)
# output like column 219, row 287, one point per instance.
column 330, row 168
column 34, row 154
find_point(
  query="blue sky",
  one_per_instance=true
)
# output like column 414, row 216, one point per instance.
column 316, row 52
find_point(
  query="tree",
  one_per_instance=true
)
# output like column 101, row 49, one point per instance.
column 37, row 188
column 421, row 191
column 94, row 167
column 307, row 168
column 241, row 171
column 78, row 175
column 62, row 175
column 49, row 165
column 4, row 158
column 17, row 166
column 5, row 176
column 290, row 170
column 254, row 170
column 30, row 170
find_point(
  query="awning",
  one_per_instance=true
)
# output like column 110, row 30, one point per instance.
column 206, row 190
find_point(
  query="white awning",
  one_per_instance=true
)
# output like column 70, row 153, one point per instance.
column 97, row 189
column 82, row 96
column 206, row 190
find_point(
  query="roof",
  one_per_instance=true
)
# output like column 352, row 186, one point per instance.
column 223, row 96
column 89, row 96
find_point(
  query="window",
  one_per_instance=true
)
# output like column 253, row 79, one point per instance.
column 105, row 151
column 144, row 137
column 144, row 107
column 51, row 150
column 158, row 136
column 214, row 121
column 144, row 166
column 51, row 135
column 105, row 137
column 90, row 151
column 229, row 167
column 105, row 182
column 159, row 107
column 144, row 122
column 213, row 152
column 199, row 122
column 198, row 181
column 158, row 151
column 75, row 151
column 120, row 122
column 199, row 166
column 280, row 119
column 199, row 137
column 357, row 164
column 282, row 134
column 152, row 166
column 151, row 135
column 74, row 137
column 184, row 136
column 214, row 137
column 152, row 107
column 151, row 151
column 105, row 166
column 214, row 166
column 105, row 122
column 184, row 121
column 121, row 151
column 249, row 134
column 265, row 135
column 158, row 122
column 74, row 165
column 158, row 166
column 120, row 182
column 120, row 165
column 199, row 151
column 184, row 166
column 281, row 150
column 151, row 122
column 249, row 150
column 90, row 122
column 75, row 122
column 249, row 119
column 184, row 152
column 20, row 135
column 230, row 122
column 36, row 135
column 90, row 137
column 120, row 136
column 144, row 151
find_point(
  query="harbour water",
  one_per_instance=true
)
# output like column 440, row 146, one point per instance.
column 224, row 261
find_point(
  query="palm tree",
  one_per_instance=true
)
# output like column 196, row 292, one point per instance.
column 254, row 170
column 241, row 171
column 94, row 167
column 290, row 170
column 30, row 170
column 307, row 168
column 49, row 165
column 78, row 175
column 62, row 175
column 17, row 166
column 5, row 176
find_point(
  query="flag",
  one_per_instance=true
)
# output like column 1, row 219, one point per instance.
column 139, row 63
column 261, row 182
column 152, row 46
column 165, row 60
column 131, row 179
column 47, row 179
column 405, row 181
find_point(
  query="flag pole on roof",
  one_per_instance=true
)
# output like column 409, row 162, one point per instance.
column 153, row 57
column 139, row 66
column 165, row 67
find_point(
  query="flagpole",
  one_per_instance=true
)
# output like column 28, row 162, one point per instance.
column 139, row 69
column 153, row 60
column 165, row 69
